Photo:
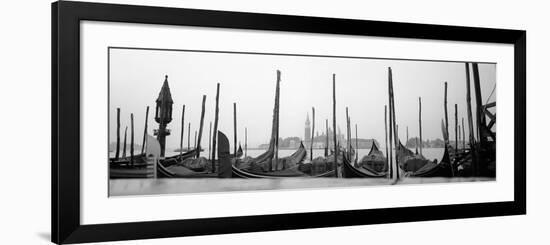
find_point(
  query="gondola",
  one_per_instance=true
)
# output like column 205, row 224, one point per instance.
column 293, row 172
column 241, row 173
column 408, row 160
column 288, row 165
column 143, row 170
column 416, row 165
column 266, row 162
column 286, row 173
column 140, row 159
column 189, row 166
column 171, row 160
column 183, row 172
column 434, row 169
column 142, row 167
column 349, row 171
column 375, row 161
column 321, row 165
column 122, row 169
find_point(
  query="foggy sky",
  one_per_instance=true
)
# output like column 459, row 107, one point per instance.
column 136, row 77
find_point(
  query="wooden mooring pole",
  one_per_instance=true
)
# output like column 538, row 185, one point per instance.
column 326, row 134
column 357, row 145
column 470, row 121
column 420, row 124
column 117, row 133
column 463, row 135
column 124, row 145
column 348, row 143
column 334, row 124
column 210, row 142
column 145, row 131
column 199, row 148
column 397, row 133
column 132, row 139
column 312, row 135
column 407, row 136
column 215, row 132
column 235, row 128
column 446, row 115
column 277, row 124
column 188, row 136
column 416, row 145
column 396, row 137
column 390, row 123
column 456, row 127
column 182, row 129
column 273, row 141
column 480, row 115
column 459, row 137
column 386, row 136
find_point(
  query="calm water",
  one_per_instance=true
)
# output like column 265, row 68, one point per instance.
column 128, row 187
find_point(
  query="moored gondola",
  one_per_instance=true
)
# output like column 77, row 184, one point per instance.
column 140, row 159
column 416, row 165
column 224, row 161
column 121, row 161
column 288, row 165
column 171, row 160
column 408, row 160
column 349, row 171
column 374, row 161
column 434, row 169
column 132, row 172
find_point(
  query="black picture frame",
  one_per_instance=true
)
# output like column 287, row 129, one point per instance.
column 65, row 200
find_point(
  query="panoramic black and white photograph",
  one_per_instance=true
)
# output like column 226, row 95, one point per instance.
column 195, row 121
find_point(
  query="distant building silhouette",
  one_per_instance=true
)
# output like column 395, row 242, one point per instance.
column 307, row 132
column 320, row 139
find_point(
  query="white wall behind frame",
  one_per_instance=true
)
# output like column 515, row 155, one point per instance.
column 25, row 60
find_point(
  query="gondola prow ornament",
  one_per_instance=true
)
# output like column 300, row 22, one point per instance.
column 163, row 114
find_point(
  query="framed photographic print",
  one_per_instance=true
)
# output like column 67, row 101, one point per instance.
column 177, row 122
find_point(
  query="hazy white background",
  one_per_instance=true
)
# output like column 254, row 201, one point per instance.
column 25, row 103
column 136, row 77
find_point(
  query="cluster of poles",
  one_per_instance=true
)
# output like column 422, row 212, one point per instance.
column 117, row 153
column 391, row 128
column 213, row 128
